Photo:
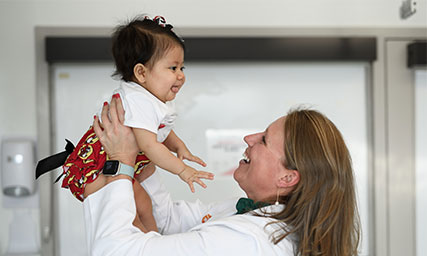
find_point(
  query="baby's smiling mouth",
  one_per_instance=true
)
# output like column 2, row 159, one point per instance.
column 175, row 88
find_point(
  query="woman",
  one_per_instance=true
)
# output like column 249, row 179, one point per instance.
column 298, row 171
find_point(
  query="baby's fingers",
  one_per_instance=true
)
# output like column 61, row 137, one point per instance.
column 181, row 157
column 197, row 160
column 200, row 182
column 205, row 175
column 191, row 186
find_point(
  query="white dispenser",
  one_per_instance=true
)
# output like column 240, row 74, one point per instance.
column 17, row 167
column 20, row 194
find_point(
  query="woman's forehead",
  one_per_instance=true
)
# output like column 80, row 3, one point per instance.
column 276, row 126
column 275, row 133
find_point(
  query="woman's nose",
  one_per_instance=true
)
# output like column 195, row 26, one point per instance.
column 251, row 139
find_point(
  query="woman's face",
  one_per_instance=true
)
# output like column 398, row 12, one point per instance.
column 259, row 172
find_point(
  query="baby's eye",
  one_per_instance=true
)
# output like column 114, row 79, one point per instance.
column 182, row 68
column 173, row 68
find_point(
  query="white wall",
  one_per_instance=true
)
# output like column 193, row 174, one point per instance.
column 18, row 18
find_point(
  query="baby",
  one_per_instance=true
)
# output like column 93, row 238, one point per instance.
column 149, row 59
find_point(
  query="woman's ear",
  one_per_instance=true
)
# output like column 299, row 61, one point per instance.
column 139, row 72
column 288, row 179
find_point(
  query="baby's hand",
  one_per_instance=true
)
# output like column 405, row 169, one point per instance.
column 190, row 175
column 184, row 153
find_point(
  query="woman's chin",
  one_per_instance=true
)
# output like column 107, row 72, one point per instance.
column 237, row 175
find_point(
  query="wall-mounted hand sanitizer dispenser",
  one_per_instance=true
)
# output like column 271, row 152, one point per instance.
column 19, row 193
column 17, row 162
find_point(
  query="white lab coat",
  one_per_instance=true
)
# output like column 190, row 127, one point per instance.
column 110, row 211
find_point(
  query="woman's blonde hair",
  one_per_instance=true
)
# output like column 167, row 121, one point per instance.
column 321, row 213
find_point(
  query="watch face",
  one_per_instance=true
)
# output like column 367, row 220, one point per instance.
column 110, row 167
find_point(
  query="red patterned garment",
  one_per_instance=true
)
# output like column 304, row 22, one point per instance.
column 85, row 163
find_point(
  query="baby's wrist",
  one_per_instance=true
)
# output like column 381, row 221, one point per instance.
column 182, row 170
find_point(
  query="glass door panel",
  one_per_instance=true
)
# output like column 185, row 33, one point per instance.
column 421, row 159
column 218, row 105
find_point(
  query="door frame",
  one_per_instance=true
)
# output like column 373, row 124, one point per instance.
column 383, row 213
column 401, row 175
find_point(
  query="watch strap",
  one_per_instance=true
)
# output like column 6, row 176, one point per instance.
column 126, row 170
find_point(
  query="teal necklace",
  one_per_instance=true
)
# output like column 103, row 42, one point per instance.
column 245, row 205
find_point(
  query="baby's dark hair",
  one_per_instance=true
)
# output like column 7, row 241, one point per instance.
column 141, row 40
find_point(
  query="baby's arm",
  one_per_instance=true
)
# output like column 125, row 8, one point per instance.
column 175, row 144
column 160, row 155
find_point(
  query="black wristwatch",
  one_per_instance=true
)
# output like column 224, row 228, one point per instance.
column 114, row 168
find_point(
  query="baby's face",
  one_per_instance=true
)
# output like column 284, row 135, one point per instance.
column 166, row 77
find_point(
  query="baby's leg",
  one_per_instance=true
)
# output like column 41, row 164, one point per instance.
column 144, row 208
column 100, row 182
column 95, row 185
column 137, row 223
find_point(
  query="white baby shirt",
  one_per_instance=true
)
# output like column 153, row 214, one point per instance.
column 143, row 110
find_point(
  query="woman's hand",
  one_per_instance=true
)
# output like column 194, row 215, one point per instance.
column 118, row 140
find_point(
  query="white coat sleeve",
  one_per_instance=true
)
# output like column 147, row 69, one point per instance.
column 110, row 211
column 180, row 216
